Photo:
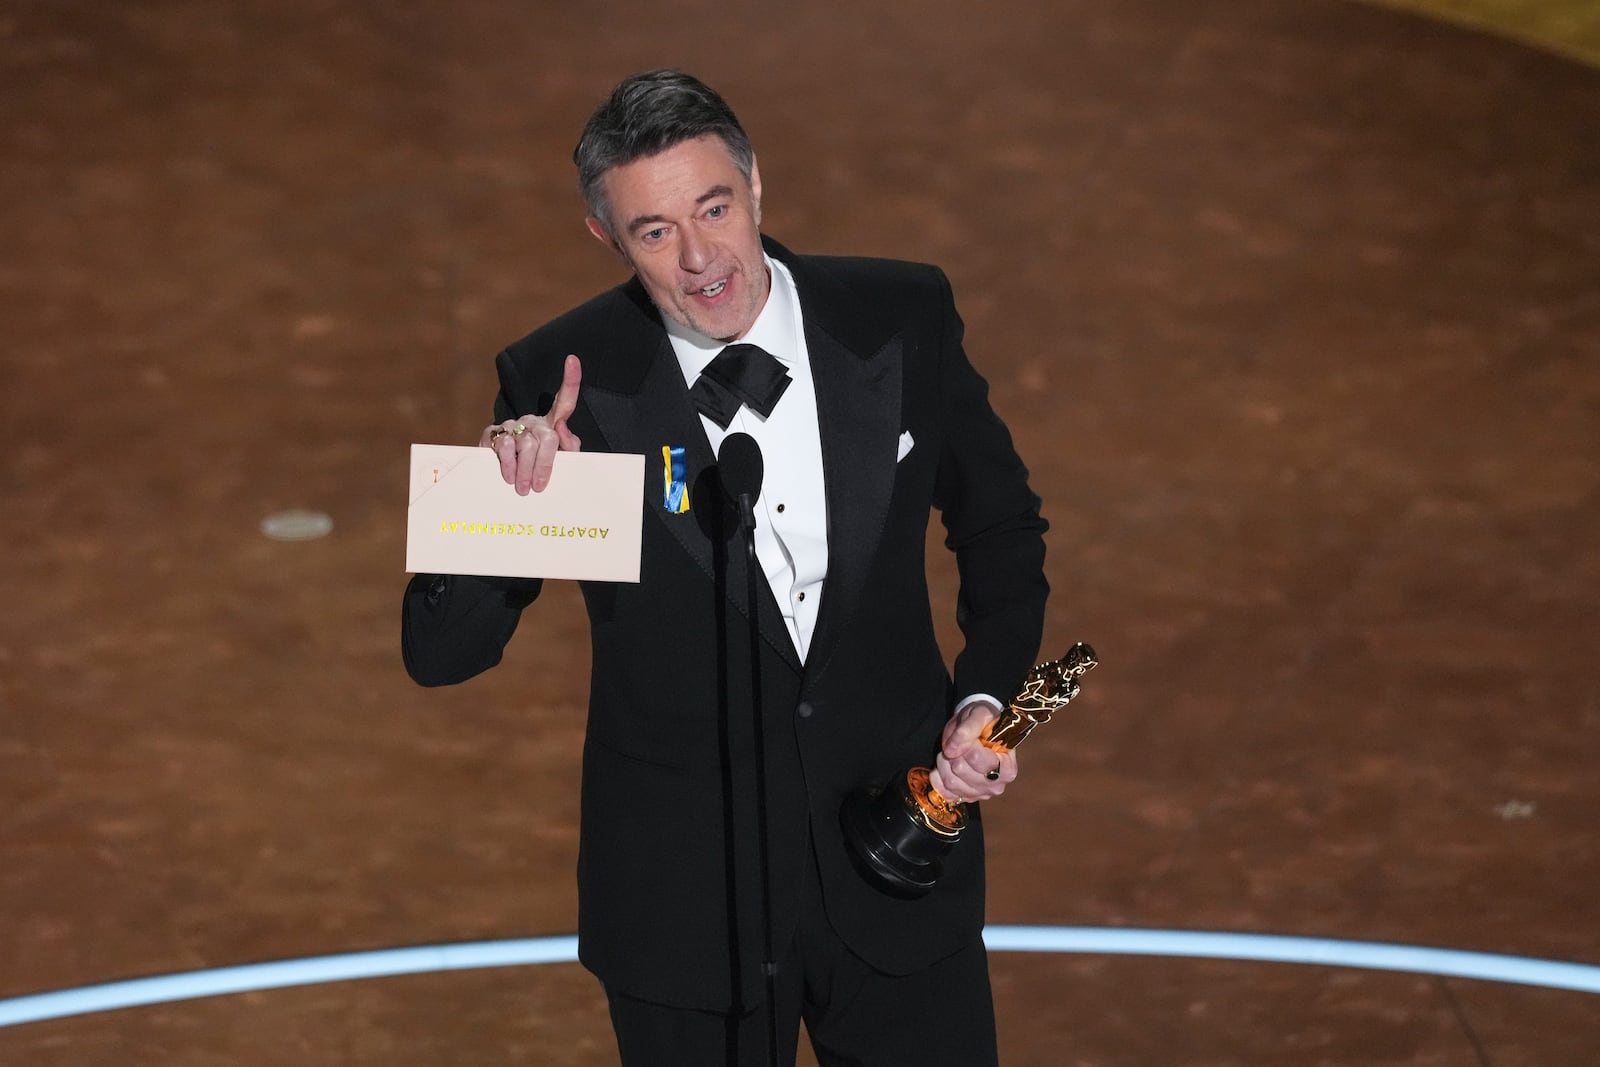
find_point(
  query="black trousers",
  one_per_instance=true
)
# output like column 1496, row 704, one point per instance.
column 855, row 1016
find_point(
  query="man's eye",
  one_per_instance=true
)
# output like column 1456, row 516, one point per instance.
column 654, row 235
column 717, row 212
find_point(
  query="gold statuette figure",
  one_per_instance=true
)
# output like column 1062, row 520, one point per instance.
column 901, row 834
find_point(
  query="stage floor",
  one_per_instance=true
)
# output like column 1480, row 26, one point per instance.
column 1292, row 308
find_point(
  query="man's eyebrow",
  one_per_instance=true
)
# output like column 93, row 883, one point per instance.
column 644, row 220
column 713, row 193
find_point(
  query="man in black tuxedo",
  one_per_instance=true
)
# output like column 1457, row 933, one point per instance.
column 868, row 415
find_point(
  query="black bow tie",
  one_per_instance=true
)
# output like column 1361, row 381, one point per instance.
column 740, row 374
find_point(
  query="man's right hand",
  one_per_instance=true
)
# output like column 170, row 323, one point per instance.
column 527, row 446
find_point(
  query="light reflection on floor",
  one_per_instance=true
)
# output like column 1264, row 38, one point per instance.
column 1326, row 952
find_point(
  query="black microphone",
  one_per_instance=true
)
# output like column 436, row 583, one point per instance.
column 741, row 467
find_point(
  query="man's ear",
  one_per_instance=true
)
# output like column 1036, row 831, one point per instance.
column 598, row 228
column 755, row 188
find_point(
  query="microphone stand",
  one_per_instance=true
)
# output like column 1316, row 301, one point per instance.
column 769, row 964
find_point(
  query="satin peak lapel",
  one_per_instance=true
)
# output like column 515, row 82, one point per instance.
column 660, row 413
column 858, row 411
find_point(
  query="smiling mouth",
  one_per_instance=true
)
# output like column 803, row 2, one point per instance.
column 714, row 289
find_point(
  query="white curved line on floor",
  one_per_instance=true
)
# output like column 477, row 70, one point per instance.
column 1326, row 952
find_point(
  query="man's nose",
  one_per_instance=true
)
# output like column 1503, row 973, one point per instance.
column 694, row 252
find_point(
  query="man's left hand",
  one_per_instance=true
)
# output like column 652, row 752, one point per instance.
column 962, row 771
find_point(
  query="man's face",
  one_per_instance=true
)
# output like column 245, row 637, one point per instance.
column 688, row 223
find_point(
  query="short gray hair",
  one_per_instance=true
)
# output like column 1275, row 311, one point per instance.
column 645, row 115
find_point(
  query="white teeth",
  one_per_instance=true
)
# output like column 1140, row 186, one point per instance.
column 713, row 290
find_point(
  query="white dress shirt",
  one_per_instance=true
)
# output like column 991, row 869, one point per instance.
column 792, row 510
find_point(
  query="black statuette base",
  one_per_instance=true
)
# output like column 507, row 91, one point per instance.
column 889, row 843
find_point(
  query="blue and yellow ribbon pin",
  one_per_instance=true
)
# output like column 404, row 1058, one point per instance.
column 676, row 497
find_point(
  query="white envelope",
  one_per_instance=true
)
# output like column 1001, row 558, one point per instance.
column 465, row 519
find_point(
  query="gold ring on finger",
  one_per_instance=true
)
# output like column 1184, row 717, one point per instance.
column 497, row 433
column 518, row 429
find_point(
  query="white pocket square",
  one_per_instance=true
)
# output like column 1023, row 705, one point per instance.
column 905, row 446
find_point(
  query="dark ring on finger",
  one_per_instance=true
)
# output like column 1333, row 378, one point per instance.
column 994, row 775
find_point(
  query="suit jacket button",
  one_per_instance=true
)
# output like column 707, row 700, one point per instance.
column 805, row 709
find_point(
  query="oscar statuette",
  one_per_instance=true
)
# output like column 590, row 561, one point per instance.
column 900, row 834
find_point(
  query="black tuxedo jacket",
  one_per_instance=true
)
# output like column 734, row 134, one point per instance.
column 668, row 867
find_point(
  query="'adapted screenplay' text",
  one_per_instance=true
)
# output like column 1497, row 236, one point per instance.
column 518, row 529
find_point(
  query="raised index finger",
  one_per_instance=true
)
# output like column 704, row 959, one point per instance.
column 567, row 396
